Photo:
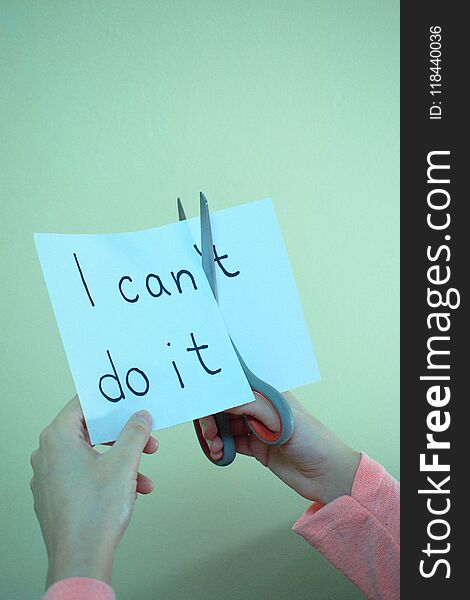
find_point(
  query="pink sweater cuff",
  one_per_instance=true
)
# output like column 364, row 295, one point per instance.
column 79, row 588
column 360, row 534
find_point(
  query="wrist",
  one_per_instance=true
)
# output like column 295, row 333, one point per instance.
column 341, row 476
column 76, row 562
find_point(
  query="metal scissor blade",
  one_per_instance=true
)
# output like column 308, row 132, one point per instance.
column 207, row 244
column 181, row 213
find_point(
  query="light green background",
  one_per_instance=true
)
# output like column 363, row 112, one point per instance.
column 109, row 110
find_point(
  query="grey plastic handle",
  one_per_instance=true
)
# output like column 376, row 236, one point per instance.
column 280, row 404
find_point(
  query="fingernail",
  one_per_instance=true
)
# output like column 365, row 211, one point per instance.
column 144, row 416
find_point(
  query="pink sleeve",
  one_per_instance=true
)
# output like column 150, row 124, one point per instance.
column 360, row 534
column 79, row 588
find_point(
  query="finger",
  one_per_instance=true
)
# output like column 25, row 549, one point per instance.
column 208, row 427
column 71, row 415
column 144, row 484
column 216, row 455
column 216, row 445
column 150, row 448
column 133, row 439
column 262, row 410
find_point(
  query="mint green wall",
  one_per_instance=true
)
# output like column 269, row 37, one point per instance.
column 109, row 110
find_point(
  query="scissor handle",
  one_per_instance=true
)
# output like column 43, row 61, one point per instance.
column 279, row 403
column 263, row 433
column 223, row 430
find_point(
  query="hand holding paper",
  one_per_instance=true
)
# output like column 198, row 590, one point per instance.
column 142, row 330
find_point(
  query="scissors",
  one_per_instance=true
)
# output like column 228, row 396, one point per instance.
column 259, row 387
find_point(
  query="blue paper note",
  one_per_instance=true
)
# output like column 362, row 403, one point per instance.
column 139, row 352
column 141, row 328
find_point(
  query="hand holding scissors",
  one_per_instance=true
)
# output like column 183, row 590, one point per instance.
column 260, row 388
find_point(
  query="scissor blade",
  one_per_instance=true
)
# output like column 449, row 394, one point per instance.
column 207, row 244
column 181, row 213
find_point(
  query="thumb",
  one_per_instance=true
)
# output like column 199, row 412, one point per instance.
column 133, row 438
column 261, row 409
